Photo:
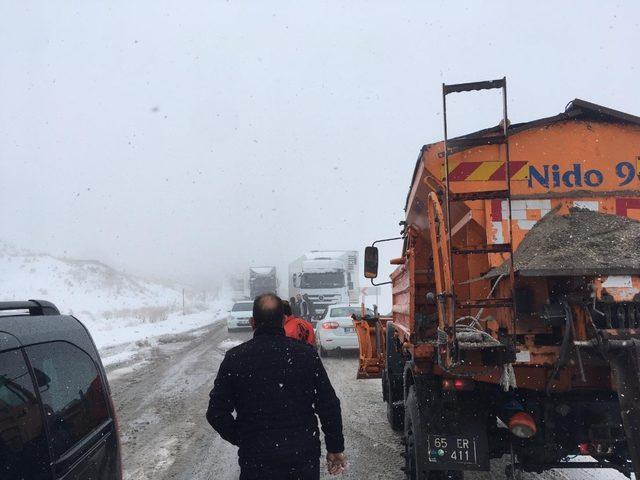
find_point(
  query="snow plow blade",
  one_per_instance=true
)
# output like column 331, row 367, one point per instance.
column 371, row 337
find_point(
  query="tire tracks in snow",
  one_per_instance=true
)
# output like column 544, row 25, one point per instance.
column 161, row 408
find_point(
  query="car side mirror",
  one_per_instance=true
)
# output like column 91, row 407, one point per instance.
column 370, row 262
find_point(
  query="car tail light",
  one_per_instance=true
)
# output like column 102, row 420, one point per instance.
column 459, row 384
column 330, row 325
column 522, row 425
column 583, row 448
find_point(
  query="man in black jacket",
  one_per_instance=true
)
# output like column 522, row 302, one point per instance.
column 276, row 386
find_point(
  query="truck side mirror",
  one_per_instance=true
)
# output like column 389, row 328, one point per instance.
column 370, row 262
column 296, row 283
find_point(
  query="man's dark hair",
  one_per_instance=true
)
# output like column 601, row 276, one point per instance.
column 268, row 310
column 286, row 307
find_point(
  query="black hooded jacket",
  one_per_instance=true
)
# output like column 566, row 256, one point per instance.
column 277, row 386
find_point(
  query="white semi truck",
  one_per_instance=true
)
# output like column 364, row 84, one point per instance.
column 239, row 287
column 262, row 280
column 328, row 277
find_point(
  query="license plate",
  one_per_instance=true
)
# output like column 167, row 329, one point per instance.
column 447, row 449
column 349, row 330
column 243, row 324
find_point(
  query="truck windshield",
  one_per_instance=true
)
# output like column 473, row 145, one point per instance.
column 322, row 280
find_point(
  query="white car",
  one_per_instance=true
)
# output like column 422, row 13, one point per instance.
column 335, row 332
column 239, row 316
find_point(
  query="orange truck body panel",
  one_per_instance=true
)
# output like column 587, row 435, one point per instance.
column 557, row 165
column 514, row 299
column 564, row 164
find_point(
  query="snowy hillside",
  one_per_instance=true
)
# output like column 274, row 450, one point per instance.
column 116, row 307
column 81, row 287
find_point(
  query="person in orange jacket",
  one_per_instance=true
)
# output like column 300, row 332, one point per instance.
column 296, row 327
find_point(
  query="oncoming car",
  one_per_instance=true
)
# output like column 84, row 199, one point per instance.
column 239, row 315
column 335, row 332
column 57, row 419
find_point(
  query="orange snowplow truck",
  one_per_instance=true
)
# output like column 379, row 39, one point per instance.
column 515, row 328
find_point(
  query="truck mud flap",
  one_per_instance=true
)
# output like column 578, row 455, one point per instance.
column 454, row 435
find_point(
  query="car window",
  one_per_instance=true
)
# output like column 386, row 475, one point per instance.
column 242, row 307
column 72, row 392
column 348, row 311
column 23, row 446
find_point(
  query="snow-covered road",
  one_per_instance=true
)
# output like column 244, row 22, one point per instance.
column 161, row 403
column 162, row 400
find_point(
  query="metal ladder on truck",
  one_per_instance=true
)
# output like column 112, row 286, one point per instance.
column 452, row 146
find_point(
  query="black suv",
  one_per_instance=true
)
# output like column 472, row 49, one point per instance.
column 57, row 419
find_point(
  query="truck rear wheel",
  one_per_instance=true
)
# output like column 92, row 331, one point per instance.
column 415, row 432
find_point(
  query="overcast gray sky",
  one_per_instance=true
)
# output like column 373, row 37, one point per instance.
column 182, row 139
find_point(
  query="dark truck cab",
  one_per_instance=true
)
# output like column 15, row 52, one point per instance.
column 57, row 420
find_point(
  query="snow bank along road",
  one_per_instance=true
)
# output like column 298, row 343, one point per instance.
column 161, row 402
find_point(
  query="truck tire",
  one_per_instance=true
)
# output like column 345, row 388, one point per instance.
column 415, row 433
